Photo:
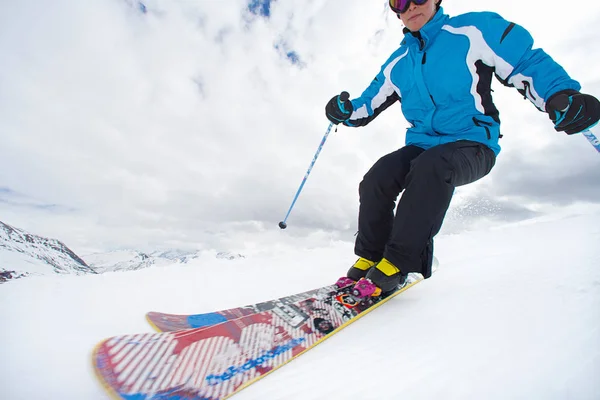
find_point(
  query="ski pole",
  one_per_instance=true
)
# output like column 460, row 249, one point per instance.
column 593, row 138
column 589, row 135
column 283, row 224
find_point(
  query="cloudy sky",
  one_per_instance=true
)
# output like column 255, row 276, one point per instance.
column 183, row 124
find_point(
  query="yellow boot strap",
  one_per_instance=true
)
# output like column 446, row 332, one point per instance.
column 387, row 267
column 363, row 264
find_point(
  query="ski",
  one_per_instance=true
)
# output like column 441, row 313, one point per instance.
column 214, row 362
column 165, row 322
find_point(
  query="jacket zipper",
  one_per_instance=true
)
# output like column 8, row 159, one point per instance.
column 485, row 124
column 527, row 88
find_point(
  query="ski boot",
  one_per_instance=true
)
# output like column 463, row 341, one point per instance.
column 386, row 276
column 360, row 269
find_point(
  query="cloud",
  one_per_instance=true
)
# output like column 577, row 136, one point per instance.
column 157, row 124
column 11, row 198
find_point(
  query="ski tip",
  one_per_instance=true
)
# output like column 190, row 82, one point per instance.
column 151, row 322
column 98, row 372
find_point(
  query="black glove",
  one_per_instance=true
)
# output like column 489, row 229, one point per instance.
column 573, row 112
column 339, row 108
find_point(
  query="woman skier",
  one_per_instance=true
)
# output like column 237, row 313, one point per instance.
column 442, row 74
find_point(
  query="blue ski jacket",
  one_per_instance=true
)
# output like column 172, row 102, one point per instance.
column 442, row 76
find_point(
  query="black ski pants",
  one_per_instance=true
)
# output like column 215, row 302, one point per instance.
column 428, row 178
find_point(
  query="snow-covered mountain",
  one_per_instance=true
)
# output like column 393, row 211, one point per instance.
column 23, row 253
column 128, row 260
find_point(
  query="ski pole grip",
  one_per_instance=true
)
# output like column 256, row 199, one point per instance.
column 344, row 96
column 562, row 103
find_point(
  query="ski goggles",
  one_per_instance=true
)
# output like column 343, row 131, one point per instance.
column 401, row 6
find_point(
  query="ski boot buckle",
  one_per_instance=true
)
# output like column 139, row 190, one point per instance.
column 365, row 288
column 344, row 282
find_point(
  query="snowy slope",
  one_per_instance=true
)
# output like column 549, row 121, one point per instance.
column 513, row 313
column 26, row 253
column 14, row 264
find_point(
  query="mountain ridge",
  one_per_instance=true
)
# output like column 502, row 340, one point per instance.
column 24, row 254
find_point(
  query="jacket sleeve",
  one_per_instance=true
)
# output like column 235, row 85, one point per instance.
column 508, row 47
column 380, row 94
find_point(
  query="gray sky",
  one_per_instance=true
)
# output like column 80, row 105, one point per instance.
column 193, row 124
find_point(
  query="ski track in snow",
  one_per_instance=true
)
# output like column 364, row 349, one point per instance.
column 512, row 313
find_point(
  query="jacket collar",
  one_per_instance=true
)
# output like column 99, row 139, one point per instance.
column 428, row 32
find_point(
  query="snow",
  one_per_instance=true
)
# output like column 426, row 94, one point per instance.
column 512, row 313
column 22, row 263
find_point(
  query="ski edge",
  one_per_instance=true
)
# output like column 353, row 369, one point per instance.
column 153, row 325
